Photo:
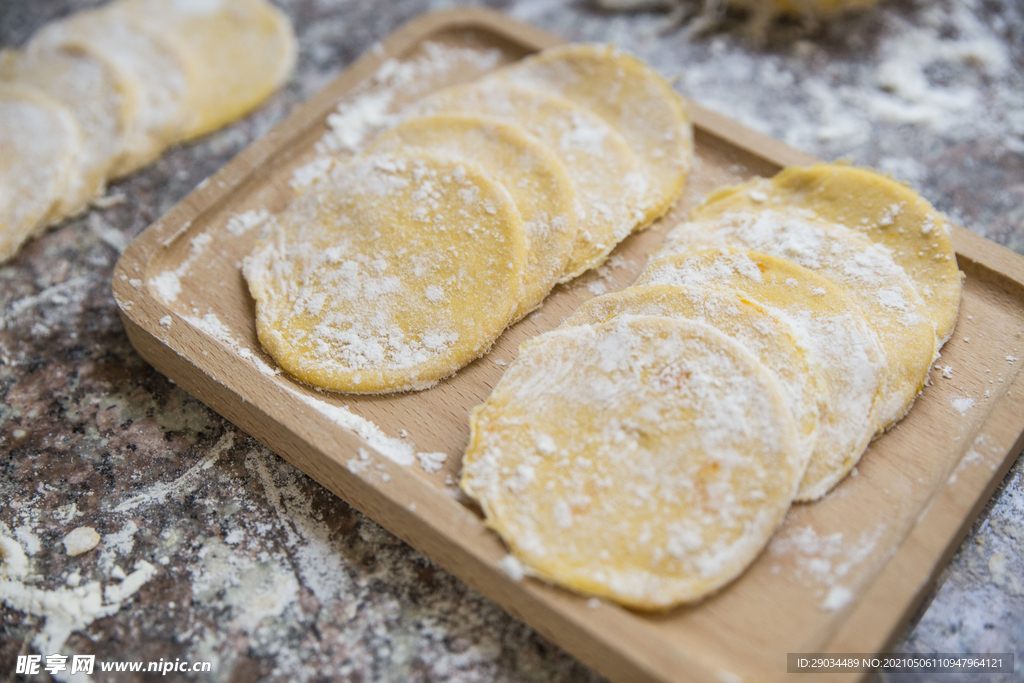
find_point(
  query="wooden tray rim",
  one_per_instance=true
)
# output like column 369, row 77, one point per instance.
column 871, row 624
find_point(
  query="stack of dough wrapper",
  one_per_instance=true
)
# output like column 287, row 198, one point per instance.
column 391, row 270
column 647, row 449
column 98, row 94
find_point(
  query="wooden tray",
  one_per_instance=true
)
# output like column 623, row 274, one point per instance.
column 883, row 534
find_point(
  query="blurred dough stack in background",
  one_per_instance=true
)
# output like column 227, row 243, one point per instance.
column 101, row 93
column 710, row 14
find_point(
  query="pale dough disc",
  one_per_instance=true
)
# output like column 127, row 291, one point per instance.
column 142, row 56
column 882, row 209
column 533, row 176
column 39, row 141
column 604, row 171
column 388, row 274
column 608, row 459
column 101, row 102
column 633, row 98
column 763, row 331
column 862, row 269
column 839, row 343
column 237, row 53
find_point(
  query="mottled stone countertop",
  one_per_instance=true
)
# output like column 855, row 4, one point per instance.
column 266, row 574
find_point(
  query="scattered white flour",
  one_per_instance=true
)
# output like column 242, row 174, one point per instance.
column 166, row 321
column 373, row 107
column 432, row 462
column 130, row 584
column 250, row 589
column 66, row 513
column 28, row 539
column 242, row 223
column 1006, row 580
column 822, row 561
column 1012, row 359
column 123, row 541
column 318, row 563
column 212, row 325
column 593, row 603
column 304, row 176
column 597, row 288
column 360, row 464
column 512, row 567
column 984, row 450
column 63, row 609
column 394, row 449
column 191, row 479
column 59, row 294
column 81, row 540
column 827, row 104
column 837, row 599
column 13, row 563
column 962, row 404
column 168, row 283
column 351, row 123
column 947, row 372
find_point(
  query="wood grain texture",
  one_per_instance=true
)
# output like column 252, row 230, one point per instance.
column 892, row 527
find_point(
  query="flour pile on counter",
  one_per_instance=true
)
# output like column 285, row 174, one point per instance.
column 101, row 93
column 64, row 610
column 392, row 270
column 616, row 468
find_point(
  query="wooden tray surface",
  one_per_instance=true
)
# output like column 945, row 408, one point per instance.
column 883, row 534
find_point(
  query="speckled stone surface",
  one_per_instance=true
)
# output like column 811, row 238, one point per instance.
column 259, row 570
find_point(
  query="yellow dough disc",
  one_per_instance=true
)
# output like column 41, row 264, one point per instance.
column 882, row 209
column 237, row 53
column 608, row 459
column 141, row 57
column 836, row 336
column 101, row 102
column 597, row 159
column 39, row 141
column 862, row 269
column 763, row 331
column 633, row 98
column 389, row 274
column 533, row 176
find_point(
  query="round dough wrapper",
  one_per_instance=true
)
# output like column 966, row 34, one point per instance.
column 608, row 459
column 600, row 164
column 389, row 274
column 885, row 211
column 39, row 141
column 862, row 269
column 839, row 343
column 155, row 70
column 763, row 331
column 101, row 102
column 533, row 176
column 237, row 52
column 633, row 98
